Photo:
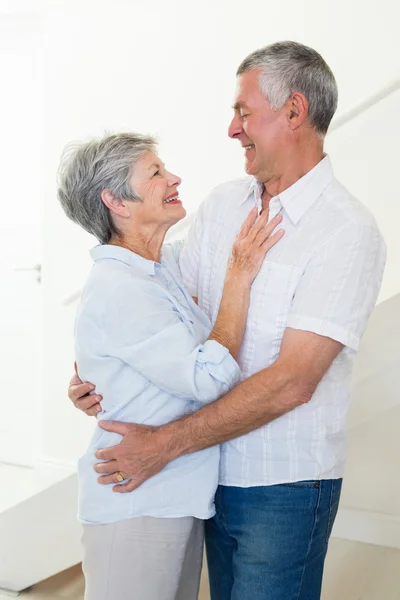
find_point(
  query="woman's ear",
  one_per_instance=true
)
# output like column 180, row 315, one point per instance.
column 117, row 206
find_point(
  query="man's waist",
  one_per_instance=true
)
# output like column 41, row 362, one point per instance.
column 271, row 462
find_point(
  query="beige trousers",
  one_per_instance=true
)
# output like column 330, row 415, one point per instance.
column 143, row 559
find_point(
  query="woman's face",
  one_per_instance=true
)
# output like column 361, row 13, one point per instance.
column 158, row 189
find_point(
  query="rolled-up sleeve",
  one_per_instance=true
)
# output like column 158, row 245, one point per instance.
column 144, row 329
column 340, row 286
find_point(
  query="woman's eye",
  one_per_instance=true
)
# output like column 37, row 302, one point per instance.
column 156, row 173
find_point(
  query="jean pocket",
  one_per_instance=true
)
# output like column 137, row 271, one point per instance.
column 309, row 484
column 333, row 505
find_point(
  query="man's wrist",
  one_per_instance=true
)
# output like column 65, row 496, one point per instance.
column 172, row 440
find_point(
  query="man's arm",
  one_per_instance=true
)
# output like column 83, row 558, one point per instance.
column 290, row 382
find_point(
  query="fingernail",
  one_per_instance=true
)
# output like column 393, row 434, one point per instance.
column 98, row 408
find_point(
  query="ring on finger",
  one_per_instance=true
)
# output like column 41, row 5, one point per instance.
column 119, row 476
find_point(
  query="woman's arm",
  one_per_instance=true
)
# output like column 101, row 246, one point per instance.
column 248, row 252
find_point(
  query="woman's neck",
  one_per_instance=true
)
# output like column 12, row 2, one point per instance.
column 147, row 244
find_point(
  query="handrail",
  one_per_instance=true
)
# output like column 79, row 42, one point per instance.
column 337, row 123
column 71, row 297
column 351, row 114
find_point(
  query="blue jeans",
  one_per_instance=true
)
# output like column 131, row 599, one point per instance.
column 270, row 542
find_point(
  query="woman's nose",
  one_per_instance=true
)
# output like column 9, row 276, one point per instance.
column 174, row 180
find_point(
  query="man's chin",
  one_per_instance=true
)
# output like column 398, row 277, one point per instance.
column 249, row 168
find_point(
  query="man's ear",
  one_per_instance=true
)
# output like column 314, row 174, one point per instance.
column 117, row 206
column 297, row 110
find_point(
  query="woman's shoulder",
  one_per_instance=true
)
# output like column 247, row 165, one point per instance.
column 116, row 284
column 170, row 254
column 106, row 275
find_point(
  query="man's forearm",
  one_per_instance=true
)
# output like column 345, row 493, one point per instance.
column 260, row 399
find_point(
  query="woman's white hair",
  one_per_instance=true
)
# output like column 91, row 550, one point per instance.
column 288, row 67
column 88, row 169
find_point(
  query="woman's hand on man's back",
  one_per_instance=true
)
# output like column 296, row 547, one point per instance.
column 81, row 397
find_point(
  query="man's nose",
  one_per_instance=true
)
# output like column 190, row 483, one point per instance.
column 235, row 128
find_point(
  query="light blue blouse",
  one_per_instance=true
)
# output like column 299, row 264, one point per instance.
column 141, row 339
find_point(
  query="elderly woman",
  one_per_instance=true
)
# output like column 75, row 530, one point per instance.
column 153, row 356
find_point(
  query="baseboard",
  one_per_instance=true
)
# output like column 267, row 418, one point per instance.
column 367, row 527
column 4, row 592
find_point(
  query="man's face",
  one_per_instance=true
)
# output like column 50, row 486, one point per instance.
column 259, row 129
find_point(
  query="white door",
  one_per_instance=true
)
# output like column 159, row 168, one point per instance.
column 22, row 102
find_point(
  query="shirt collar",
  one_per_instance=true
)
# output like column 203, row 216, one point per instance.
column 123, row 255
column 300, row 196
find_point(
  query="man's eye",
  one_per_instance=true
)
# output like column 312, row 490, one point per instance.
column 156, row 173
column 243, row 116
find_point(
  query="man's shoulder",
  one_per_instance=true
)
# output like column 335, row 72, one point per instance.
column 346, row 209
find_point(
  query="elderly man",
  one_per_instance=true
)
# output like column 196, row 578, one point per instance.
column 282, row 429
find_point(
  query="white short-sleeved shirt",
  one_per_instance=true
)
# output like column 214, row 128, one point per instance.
column 323, row 276
column 141, row 339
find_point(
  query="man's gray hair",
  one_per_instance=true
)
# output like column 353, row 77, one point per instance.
column 88, row 169
column 289, row 67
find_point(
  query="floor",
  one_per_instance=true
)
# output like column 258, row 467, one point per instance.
column 353, row 572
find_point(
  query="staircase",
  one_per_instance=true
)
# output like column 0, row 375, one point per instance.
column 40, row 535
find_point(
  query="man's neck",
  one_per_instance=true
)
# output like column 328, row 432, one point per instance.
column 296, row 169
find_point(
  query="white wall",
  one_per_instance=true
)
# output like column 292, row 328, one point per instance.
column 366, row 158
column 169, row 68
column 21, row 163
